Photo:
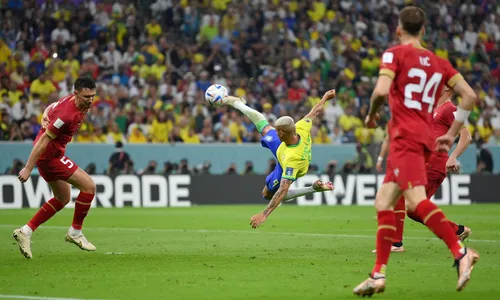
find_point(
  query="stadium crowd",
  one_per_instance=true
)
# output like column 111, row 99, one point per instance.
column 153, row 64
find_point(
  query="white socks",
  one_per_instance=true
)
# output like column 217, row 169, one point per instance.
column 251, row 113
column 27, row 230
column 298, row 192
column 74, row 232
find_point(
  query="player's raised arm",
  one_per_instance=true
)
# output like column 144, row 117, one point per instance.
column 464, row 141
column 278, row 197
column 37, row 150
column 319, row 106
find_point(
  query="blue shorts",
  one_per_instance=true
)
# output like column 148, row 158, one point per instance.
column 272, row 142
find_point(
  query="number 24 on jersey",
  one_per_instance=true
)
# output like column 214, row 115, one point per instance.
column 427, row 88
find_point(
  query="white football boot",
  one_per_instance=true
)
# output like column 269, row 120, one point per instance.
column 23, row 241
column 81, row 241
column 230, row 100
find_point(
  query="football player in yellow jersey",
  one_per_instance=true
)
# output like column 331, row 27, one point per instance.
column 291, row 144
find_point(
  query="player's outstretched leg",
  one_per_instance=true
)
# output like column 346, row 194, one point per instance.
column 240, row 104
column 433, row 218
column 87, row 188
column 318, row 186
column 62, row 193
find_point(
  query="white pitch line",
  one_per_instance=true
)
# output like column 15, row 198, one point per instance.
column 37, row 298
column 336, row 235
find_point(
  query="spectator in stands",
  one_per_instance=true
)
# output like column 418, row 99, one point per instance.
column 5, row 126
column 115, row 135
column 137, row 136
column 159, row 58
column 22, row 110
column 191, row 137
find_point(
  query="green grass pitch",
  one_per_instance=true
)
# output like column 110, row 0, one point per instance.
column 210, row 252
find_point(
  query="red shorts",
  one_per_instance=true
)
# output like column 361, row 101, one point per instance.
column 53, row 169
column 434, row 181
column 406, row 164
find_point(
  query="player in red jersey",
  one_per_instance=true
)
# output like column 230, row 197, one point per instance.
column 60, row 122
column 437, row 166
column 411, row 77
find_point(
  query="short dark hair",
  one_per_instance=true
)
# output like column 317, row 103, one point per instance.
column 412, row 19
column 84, row 83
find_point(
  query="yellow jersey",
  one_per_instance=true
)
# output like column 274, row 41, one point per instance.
column 295, row 159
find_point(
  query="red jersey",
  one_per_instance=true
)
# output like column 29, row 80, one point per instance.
column 419, row 78
column 65, row 119
column 443, row 119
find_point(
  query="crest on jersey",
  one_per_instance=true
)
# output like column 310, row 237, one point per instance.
column 396, row 172
column 268, row 138
column 388, row 58
column 58, row 123
column 289, row 171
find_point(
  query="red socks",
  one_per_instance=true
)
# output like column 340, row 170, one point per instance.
column 47, row 211
column 400, row 212
column 82, row 206
column 385, row 236
column 412, row 215
column 434, row 218
column 455, row 226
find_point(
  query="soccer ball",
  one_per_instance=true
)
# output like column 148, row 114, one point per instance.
column 214, row 95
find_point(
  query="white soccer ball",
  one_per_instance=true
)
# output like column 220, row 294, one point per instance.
column 214, row 95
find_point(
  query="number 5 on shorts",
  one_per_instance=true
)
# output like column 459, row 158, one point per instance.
column 67, row 162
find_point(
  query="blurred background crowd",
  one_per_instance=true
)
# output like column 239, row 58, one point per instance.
column 153, row 60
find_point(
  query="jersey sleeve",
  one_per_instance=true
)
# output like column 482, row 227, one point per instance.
column 390, row 62
column 451, row 75
column 304, row 125
column 59, row 121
